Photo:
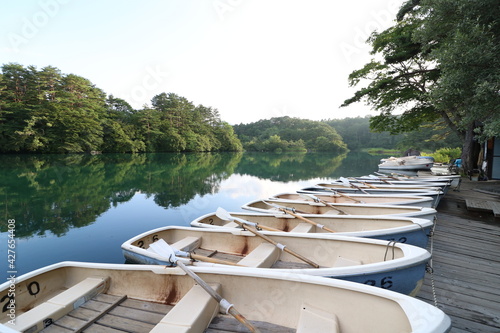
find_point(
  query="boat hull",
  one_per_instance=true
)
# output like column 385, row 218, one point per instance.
column 423, row 166
column 407, row 280
column 407, row 163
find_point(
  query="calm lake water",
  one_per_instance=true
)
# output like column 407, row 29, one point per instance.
column 82, row 207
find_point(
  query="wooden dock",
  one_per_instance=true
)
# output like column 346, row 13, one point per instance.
column 466, row 262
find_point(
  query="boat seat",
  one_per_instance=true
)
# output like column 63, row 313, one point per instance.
column 303, row 227
column 231, row 225
column 344, row 262
column 193, row 313
column 58, row 306
column 187, row 244
column 313, row 320
column 263, row 256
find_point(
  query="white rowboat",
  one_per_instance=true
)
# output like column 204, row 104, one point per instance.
column 401, row 229
column 407, row 163
column 273, row 206
column 143, row 298
column 363, row 260
column 418, row 201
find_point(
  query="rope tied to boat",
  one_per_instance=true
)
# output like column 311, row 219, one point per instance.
column 391, row 244
column 430, row 267
column 430, row 270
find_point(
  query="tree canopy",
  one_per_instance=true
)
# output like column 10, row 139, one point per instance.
column 289, row 134
column 438, row 63
column 45, row 111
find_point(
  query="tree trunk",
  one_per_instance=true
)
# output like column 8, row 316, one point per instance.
column 470, row 150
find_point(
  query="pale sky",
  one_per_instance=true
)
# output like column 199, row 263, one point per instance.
column 249, row 59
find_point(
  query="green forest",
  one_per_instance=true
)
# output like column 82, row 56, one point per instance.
column 46, row 111
column 338, row 135
column 289, row 134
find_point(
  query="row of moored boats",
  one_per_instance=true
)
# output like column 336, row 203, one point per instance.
column 344, row 256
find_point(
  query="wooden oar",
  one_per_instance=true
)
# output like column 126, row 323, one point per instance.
column 347, row 196
column 351, row 180
column 222, row 214
column 329, row 204
column 288, row 208
column 380, row 179
column 227, row 307
column 290, row 211
column 346, row 182
column 253, row 224
column 212, row 260
column 367, row 184
column 307, row 220
column 195, row 256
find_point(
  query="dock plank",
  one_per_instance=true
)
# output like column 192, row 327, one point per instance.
column 466, row 265
column 495, row 207
column 478, row 205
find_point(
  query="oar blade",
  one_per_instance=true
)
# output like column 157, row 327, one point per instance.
column 223, row 214
column 162, row 248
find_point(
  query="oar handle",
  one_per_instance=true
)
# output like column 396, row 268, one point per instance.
column 288, row 209
column 265, row 227
column 254, row 224
column 309, row 221
column 284, row 248
column 231, row 310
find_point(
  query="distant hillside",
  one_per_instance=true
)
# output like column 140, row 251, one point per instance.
column 357, row 135
column 289, row 134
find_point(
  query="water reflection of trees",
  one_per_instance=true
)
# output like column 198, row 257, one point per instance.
column 290, row 167
column 56, row 193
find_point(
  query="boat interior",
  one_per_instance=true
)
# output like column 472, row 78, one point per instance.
column 86, row 307
column 251, row 251
column 288, row 223
column 111, row 300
